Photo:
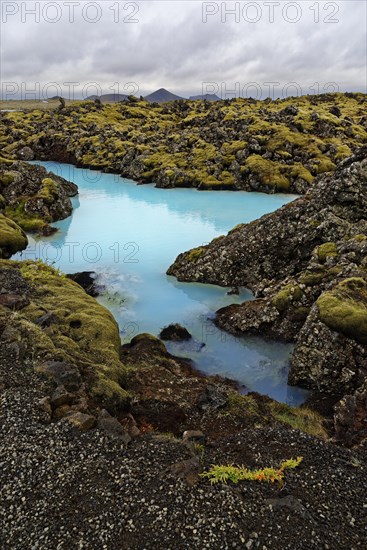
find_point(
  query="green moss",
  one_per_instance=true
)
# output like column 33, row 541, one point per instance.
column 227, row 178
column 324, row 164
column 300, row 313
column 85, row 333
column 206, row 181
column 194, row 254
column 334, row 271
column 360, row 238
column 110, row 394
column 49, row 190
column 344, row 308
column 240, row 405
column 6, row 161
column 312, row 278
column 343, row 152
column 297, row 171
column 268, row 172
column 7, row 178
column 12, row 238
column 28, row 223
column 326, row 250
column 290, row 293
column 231, row 147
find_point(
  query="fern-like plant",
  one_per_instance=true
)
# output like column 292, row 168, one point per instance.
column 223, row 474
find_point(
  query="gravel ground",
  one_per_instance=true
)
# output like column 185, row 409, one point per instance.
column 61, row 488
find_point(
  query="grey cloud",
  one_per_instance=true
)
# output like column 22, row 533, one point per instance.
column 173, row 48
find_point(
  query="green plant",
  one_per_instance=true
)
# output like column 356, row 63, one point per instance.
column 223, row 474
column 199, row 449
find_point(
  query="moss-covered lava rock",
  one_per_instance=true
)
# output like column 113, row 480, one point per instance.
column 344, row 308
column 61, row 323
column 12, row 237
column 33, row 197
column 268, row 146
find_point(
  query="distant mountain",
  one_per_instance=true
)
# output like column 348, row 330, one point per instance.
column 107, row 98
column 161, row 96
column 208, row 97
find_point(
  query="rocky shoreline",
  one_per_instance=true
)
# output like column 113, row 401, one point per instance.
column 306, row 264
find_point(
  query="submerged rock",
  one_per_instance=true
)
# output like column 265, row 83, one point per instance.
column 175, row 333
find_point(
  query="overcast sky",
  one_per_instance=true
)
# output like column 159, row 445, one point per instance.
column 181, row 45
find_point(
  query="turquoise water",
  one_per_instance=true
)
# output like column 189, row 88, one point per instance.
column 129, row 234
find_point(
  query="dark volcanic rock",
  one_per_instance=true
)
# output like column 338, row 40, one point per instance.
column 25, row 153
column 87, row 280
column 175, row 332
column 63, row 373
column 281, row 244
column 269, row 146
column 112, row 427
column 65, row 484
column 12, row 282
column 13, row 301
column 350, row 418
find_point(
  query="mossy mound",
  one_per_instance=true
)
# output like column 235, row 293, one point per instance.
column 268, row 173
column 327, row 250
column 12, row 238
column 82, row 333
column 344, row 308
column 290, row 293
column 312, row 278
column 29, row 223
